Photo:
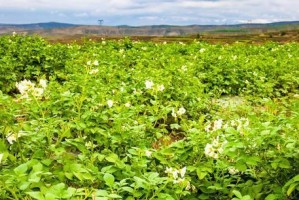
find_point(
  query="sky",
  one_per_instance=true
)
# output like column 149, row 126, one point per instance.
column 148, row 12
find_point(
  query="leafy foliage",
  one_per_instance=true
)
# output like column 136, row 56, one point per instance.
column 25, row 57
column 135, row 120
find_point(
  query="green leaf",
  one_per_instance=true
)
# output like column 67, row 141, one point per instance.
column 292, row 188
column 241, row 166
column 284, row 163
column 165, row 196
column 112, row 158
column 201, row 174
column 175, row 126
column 36, row 195
column 271, row 197
column 47, row 162
column 69, row 175
column 21, row 169
column 140, row 183
column 50, row 196
column 58, row 187
column 100, row 157
column 79, row 175
column 246, row 197
column 34, row 177
column 253, row 160
column 101, row 193
column 295, row 179
column 24, row 185
column 128, row 189
column 67, row 194
column 237, row 194
column 216, row 187
column 114, row 196
column 274, row 164
column 56, row 191
column 37, row 167
column 153, row 176
column 109, row 179
column 102, row 198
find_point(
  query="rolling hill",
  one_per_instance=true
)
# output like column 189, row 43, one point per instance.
column 55, row 29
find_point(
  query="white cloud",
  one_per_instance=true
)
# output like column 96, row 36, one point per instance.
column 83, row 14
column 205, row 4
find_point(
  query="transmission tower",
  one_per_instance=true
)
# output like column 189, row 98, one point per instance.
column 100, row 21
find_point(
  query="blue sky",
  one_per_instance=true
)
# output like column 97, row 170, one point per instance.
column 148, row 12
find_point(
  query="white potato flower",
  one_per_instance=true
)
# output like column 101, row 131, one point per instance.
column 149, row 84
column 24, row 86
column 214, row 149
column 208, row 128
column 168, row 170
column 178, row 175
column 232, row 170
column 37, row 92
column 181, row 111
column 94, row 71
column 209, row 149
column 161, row 88
column 96, row 63
column 217, row 124
column 184, row 68
column 43, row 83
column 183, row 172
column 173, row 113
column 12, row 138
column 1, row 157
column 110, row 103
column 175, row 174
column 148, row 153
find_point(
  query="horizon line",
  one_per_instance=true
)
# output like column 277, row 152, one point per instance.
column 74, row 24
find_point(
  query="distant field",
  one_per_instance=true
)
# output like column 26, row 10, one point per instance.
column 218, row 36
column 281, row 32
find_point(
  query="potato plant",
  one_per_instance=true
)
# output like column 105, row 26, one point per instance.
column 141, row 120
